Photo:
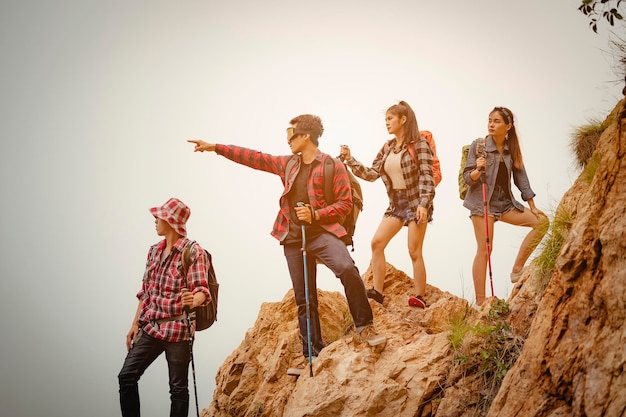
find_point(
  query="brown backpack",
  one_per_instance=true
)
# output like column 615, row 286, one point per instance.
column 205, row 315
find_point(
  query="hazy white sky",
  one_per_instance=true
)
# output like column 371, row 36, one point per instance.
column 98, row 99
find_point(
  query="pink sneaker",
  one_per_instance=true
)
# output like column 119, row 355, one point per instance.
column 417, row 301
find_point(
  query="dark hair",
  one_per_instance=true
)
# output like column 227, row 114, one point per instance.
column 311, row 124
column 514, row 148
column 411, row 131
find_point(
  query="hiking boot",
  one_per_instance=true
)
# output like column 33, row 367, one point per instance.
column 515, row 276
column 375, row 295
column 417, row 301
column 295, row 371
column 299, row 366
column 369, row 335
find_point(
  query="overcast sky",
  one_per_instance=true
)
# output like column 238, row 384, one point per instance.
column 99, row 98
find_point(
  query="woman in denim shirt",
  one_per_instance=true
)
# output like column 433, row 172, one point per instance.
column 500, row 159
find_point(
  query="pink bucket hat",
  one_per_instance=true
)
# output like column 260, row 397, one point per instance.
column 175, row 213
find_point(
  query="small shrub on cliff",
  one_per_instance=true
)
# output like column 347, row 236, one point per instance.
column 553, row 242
column 585, row 139
column 485, row 352
column 458, row 329
column 501, row 350
column 591, row 168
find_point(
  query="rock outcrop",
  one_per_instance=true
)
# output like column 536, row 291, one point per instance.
column 555, row 348
column 410, row 376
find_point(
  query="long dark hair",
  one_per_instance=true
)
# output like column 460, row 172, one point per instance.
column 512, row 138
column 411, row 131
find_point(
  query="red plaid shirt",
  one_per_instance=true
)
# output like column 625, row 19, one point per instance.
column 329, row 214
column 160, row 290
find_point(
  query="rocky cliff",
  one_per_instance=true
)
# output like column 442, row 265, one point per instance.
column 555, row 348
column 573, row 359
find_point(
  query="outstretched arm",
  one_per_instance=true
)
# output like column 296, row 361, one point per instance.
column 360, row 170
column 244, row 156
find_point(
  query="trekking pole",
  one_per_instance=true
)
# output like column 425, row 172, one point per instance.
column 193, row 365
column 306, row 295
column 483, row 179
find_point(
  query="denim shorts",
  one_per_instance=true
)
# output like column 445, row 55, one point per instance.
column 499, row 205
column 401, row 209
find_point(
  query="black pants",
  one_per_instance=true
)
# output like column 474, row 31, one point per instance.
column 333, row 253
column 144, row 351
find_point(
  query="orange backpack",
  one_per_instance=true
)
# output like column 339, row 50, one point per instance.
column 431, row 142
column 436, row 166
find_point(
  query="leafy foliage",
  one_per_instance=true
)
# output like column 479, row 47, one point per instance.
column 591, row 168
column 459, row 329
column 584, row 140
column 607, row 9
column 551, row 246
column 485, row 352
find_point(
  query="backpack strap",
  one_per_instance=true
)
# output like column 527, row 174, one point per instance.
column 411, row 148
column 185, row 259
column 185, row 262
column 329, row 174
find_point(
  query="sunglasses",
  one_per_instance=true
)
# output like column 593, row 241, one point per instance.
column 292, row 133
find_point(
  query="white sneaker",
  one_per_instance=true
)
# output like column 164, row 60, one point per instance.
column 515, row 276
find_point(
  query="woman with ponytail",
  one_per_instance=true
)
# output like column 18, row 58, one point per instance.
column 500, row 159
column 411, row 189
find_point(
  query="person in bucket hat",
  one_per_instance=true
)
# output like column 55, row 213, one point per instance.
column 302, row 204
column 160, row 324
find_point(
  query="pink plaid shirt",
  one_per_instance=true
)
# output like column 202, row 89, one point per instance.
column 161, row 289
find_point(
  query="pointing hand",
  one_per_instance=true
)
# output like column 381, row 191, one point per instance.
column 202, row 146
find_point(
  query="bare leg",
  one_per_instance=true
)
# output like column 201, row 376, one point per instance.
column 479, row 267
column 416, row 241
column 528, row 219
column 387, row 229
